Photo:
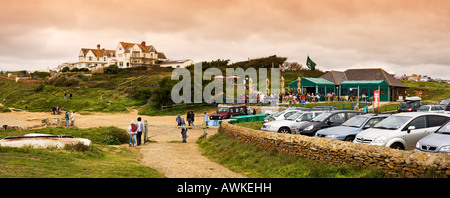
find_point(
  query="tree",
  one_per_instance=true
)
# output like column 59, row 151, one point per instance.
column 112, row 69
column 65, row 69
column 293, row 66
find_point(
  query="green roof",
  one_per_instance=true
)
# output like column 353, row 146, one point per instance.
column 311, row 82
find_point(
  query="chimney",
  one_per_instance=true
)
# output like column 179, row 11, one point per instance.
column 98, row 47
column 143, row 43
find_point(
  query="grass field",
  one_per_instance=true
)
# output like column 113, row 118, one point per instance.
column 100, row 160
column 254, row 162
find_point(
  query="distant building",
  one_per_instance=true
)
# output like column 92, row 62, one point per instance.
column 177, row 63
column 354, row 83
column 125, row 55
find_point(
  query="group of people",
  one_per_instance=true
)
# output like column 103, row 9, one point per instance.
column 135, row 130
column 71, row 118
column 190, row 117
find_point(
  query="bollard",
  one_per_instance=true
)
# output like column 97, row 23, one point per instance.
column 146, row 131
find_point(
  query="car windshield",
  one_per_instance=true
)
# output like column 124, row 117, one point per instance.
column 444, row 129
column 294, row 116
column 321, row 117
column 423, row 108
column 444, row 102
column 356, row 121
column 277, row 114
column 392, row 122
column 223, row 109
column 404, row 105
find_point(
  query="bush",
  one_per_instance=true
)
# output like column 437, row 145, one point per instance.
column 115, row 137
column 80, row 147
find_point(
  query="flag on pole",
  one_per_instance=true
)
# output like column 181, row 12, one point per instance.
column 311, row 65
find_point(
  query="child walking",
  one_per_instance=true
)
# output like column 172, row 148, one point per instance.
column 133, row 131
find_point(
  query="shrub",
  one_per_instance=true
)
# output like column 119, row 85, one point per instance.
column 115, row 137
column 80, row 147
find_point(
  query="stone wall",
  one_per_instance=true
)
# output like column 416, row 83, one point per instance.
column 393, row 162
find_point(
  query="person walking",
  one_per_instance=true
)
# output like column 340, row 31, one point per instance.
column 132, row 129
column 188, row 117
column 192, row 118
column 356, row 107
column 72, row 118
column 205, row 119
column 183, row 131
column 140, row 129
column 178, row 119
column 66, row 116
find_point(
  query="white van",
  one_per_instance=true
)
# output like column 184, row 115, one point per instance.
column 403, row 130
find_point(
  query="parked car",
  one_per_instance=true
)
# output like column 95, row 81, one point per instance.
column 431, row 108
column 282, row 115
column 326, row 107
column 411, row 104
column 445, row 102
column 447, row 109
column 226, row 112
column 402, row 131
column 325, row 120
column 350, row 128
column 290, row 124
column 438, row 141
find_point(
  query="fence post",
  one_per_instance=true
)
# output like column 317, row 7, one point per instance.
column 146, row 131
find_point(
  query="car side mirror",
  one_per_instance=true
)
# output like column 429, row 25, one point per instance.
column 329, row 122
column 410, row 128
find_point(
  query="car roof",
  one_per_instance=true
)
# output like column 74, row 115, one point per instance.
column 413, row 114
column 374, row 115
column 344, row 111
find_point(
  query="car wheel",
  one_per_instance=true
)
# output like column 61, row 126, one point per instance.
column 349, row 138
column 398, row 146
column 284, row 130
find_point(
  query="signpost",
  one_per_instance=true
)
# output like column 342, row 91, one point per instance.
column 376, row 100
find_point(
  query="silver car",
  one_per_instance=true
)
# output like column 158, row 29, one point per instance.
column 291, row 123
column 431, row 108
column 438, row 141
column 403, row 130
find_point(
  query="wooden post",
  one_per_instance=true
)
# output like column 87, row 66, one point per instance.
column 146, row 131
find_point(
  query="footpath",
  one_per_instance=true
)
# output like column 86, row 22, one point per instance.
column 166, row 154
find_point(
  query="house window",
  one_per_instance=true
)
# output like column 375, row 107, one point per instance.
column 104, row 58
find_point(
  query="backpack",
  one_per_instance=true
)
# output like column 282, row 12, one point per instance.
column 133, row 128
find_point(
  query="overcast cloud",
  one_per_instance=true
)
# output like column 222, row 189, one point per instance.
column 401, row 36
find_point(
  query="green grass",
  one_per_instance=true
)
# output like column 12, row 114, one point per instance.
column 254, row 162
column 256, row 125
column 99, row 161
column 432, row 92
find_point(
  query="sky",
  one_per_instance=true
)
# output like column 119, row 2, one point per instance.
column 400, row 36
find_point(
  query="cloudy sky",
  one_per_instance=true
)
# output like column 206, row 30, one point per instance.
column 401, row 36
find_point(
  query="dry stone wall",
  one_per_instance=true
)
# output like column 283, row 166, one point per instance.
column 393, row 162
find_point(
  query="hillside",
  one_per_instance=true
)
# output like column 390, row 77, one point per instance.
column 95, row 93
column 432, row 92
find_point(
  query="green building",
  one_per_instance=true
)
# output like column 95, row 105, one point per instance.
column 352, row 83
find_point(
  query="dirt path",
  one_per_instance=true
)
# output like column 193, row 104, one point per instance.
column 167, row 155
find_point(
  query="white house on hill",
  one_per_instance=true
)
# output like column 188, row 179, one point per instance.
column 125, row 55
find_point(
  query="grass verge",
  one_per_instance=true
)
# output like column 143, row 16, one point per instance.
column 255, row 162
column 100, row 160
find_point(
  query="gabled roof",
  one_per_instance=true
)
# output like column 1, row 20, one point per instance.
column 98, row 53
column 335, row 77
column 161, row 55
column 362, row 74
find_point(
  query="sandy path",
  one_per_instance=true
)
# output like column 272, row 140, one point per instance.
column 167, row 155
